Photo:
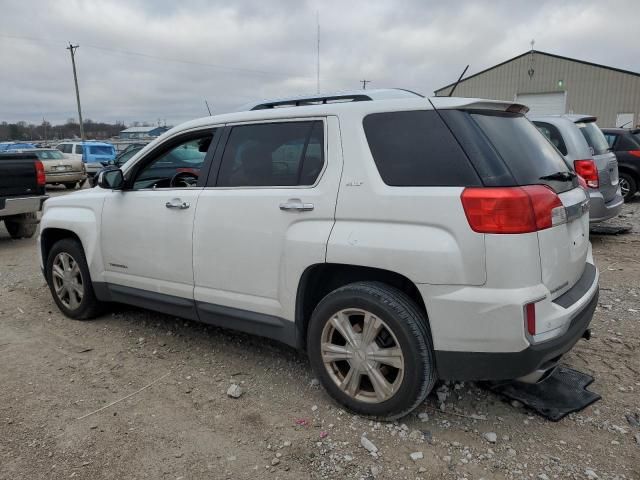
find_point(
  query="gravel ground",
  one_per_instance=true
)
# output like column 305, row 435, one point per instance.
column 54, row 372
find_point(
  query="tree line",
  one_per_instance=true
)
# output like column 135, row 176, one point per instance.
column 23, row 131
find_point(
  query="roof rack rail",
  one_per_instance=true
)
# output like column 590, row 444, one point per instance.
column 313, row 101
column 335, row 97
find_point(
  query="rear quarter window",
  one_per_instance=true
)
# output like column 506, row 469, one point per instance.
column 416, row 148
column 594, row 137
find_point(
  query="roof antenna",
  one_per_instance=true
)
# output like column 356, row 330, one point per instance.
column 453, row 89
column 207, row 104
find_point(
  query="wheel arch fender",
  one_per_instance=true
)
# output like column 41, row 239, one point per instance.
column 320, row 279
column 77, row 223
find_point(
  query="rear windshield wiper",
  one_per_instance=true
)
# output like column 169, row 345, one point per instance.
column 562, row 176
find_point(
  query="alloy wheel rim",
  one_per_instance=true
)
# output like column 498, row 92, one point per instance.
column 362, row 355
column 67, row 280
column 624, row 187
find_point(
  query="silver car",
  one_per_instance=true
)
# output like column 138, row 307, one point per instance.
column 585, row 148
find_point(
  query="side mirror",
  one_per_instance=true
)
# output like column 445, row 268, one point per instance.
column 111, row 179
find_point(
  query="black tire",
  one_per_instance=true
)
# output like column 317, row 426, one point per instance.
column 407, row 323
column 70, row 185
column 632, row 183
column 89, row 306
column 24, row 227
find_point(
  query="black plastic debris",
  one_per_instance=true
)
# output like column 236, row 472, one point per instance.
column 609, row 229
column 562, row 393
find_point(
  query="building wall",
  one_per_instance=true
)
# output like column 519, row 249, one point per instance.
column 591, row 90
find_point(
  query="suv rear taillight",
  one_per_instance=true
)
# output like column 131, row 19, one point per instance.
column 41, row 179
column 530, row 318
column 587, row 169
column 512, row 209
column 635, row 153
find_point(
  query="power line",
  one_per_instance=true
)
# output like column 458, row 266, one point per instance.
column 154, row 57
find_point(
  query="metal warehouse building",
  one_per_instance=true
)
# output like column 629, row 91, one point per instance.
column 551, row 84
column 142, row 132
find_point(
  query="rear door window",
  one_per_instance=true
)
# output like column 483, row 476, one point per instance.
column 627, row 142
column 78, row 149
column 280, row 154
column 594, row 137
column 416, row 148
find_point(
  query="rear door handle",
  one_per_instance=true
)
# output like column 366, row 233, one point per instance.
column 295, row 204
column 177, row 203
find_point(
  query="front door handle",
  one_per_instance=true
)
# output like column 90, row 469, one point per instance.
column 295, row 204
column 177, row 203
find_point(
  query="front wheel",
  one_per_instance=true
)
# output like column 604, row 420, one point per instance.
column 69, row 281
column 370, row 346
column 628, row 186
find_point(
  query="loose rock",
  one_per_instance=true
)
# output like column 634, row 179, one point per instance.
column 368, row 445
column 591, row 475
column 490, row 437
column 234, row 391
column 415, row 456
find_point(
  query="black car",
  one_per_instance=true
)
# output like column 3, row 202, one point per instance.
column 625, row 143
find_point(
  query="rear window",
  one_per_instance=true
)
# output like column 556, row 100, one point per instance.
column 50, row 155
column 416, row 148
column 100, row 150
column 553, row 134
column 526, row 152
column 594, row 137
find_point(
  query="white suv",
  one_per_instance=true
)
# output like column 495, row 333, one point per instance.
column 394, row 238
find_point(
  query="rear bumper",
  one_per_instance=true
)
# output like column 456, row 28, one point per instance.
column 65, row 177
column 599, row 210
column 577, row 305
column 17, row 206
column 512, row 365
column 93, row 168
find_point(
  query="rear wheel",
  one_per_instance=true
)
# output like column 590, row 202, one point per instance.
column 370, row 347
column 69, row 281
column 628, row 186
column 70, row 185
column 22, row 226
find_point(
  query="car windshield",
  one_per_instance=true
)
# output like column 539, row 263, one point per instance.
column 594, row 137
column 50, row 155
column 100, row 150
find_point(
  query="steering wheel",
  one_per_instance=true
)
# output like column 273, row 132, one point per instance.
column 183, row 179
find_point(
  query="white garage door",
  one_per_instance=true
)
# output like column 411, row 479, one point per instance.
column 552, row 103
column 624, row 120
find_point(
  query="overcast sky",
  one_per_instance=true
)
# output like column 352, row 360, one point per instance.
column 144, row 60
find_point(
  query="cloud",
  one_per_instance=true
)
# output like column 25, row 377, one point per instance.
column 148, row 60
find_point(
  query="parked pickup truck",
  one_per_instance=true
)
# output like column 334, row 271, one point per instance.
column 22, row 192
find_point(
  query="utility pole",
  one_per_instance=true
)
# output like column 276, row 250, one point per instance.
column 72, row 51
column 364, row 83
column 318, row 53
